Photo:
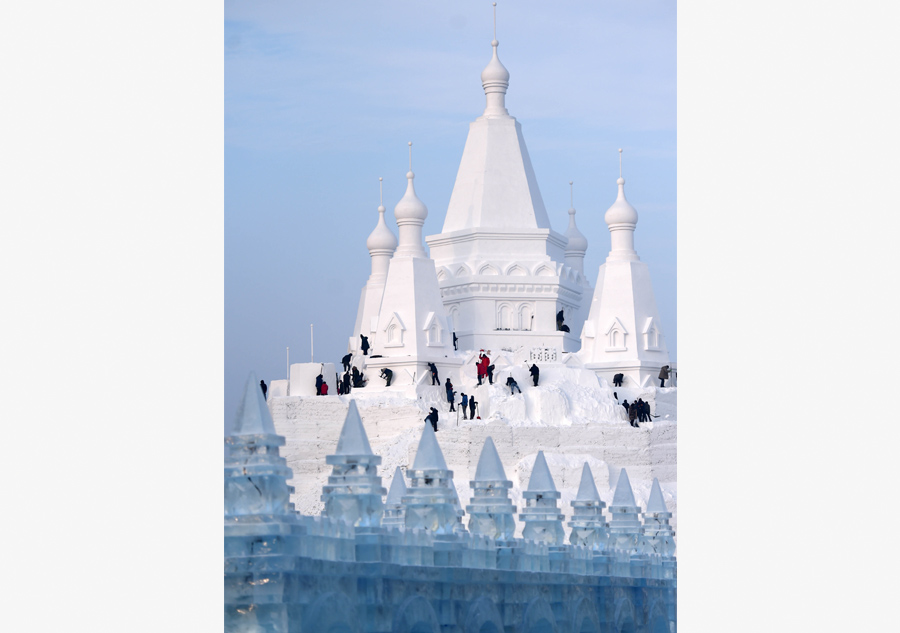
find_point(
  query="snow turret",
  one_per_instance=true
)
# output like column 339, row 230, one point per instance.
column 625, row 526
column 659, row 537
column 410, row 214
column 495, row 80
column 430, row 500
column 588, row 524
column 577, row 244
column 543, row 522
column 393, row 505
column 621, row 218
column 381, row 243
column 353, row 492
column 255, row 475
column 491, row 512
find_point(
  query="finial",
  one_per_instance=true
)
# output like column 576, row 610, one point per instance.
column 495, row 42
column 620, row 162
column 410, row 156
column 571, row 195
column 381, row 190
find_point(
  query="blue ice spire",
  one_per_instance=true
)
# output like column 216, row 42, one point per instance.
column 353, row 492
column 543, row 521
column 659, row 537
column 588, row 525
column 393, row 505
column 625, row 526
column 491, row 512
column 431, row 500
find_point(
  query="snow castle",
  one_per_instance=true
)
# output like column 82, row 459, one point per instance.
column 320, row 548
column 348, row 571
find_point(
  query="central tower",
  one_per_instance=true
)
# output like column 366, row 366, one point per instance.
column 500, row 265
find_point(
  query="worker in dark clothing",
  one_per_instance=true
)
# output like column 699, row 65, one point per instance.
column 434, row 374
column 617, row 380
column 663, row 376
column 512, row 384
column 455, row 341
column 490, row 374
column 433, row 418
column 464, row 404
column 535, row 373
column 346, row 383
column 387, row 374
column 625, row 404
column 364, row 344
column 262, row 385
column 345, row 361
column 616, row 396
column 357, row 378
column 472, row 405
column 560, row 319
column 319, row 381
column 451, row 395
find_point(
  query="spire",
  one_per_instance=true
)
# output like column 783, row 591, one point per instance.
column 398, row 488
column 353, row 439
column 253, row 417
column 410, row 214
column 656, row 502
column 587, row 490
column 490, row 468
column 624, row 495
column 541, row 480
column 621, row 218
column 495, row 80
column 428, row 454
column 577, row 243
column 381, row 241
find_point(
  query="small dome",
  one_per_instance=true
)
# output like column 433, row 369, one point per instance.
column 621, row 212
column 577, row 241
column 410, row 207
column 381, row 238
column 494, row 72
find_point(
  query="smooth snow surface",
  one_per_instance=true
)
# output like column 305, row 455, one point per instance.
column 398, row 488
column 490, row 468
column 353, row 440
column 587, row 489
column 429, row 455
column 541, row 479
column 253, row 417
column 624, row 495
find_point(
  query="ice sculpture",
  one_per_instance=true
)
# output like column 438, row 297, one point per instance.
column 393, row 506
column 354, row 491
column 491, row 512
column 589, row 527
column 659, row 537
column 430, row 498
column 543, row 521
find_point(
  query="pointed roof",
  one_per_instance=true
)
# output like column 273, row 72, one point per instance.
column 577, row 241
column 398, row 488
column 353, row 439
column 656, row 502
column 587, row 490
column 621, row 210
column 541, row 480
column 490, row 468
column 428, row 454
column 382, row 238
column 253, row 417
column 623, row 496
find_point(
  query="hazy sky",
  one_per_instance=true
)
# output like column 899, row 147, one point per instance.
column 320, row 102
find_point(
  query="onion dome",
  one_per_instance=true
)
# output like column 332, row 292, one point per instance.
column 410, row 207
column 577, row 242
column 381, row 239
column 621, row 211
column 495, row 73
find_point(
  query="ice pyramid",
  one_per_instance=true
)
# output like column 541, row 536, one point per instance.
column 393, row 505
column 588, row 524
column 543, row 521
column 431, row 501
column 659, row 537
column 353, row 492
column 491, row 512
column 253, row 417
column 625, row 525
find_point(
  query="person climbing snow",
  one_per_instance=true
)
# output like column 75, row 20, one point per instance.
column 480, row 367
column 472, row 405
column 387, row 374
column 364, row 344
column 433, row 418
column 450, row 394
column 262, row 385
column 490, row 374
column 319, row 381
column 663, row 376
column 455, row 340
column 535, row 373
column 560, row 319
column 345, row 361
column 464, row 404
column 434, row 374
column 617, row 380
column 512, row 384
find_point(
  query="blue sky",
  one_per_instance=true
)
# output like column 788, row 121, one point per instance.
column 320, row 102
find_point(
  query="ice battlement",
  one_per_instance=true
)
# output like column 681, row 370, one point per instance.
column 421, row 570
